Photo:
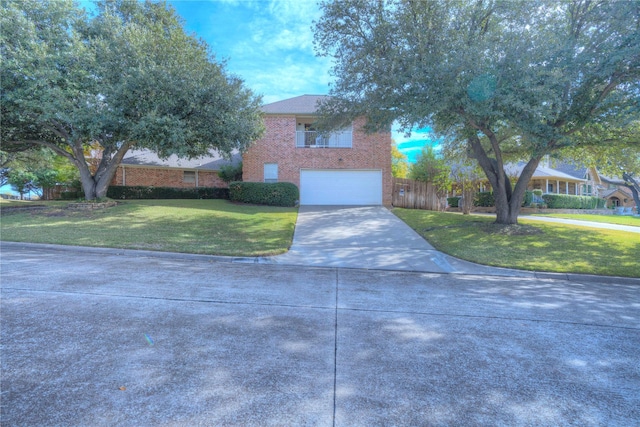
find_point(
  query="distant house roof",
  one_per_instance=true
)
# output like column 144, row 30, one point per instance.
column 610, row 192
column 304, row 104
column 148, row 158
column 573, row 170
column 540, row 172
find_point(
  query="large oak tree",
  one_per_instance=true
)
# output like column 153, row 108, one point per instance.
column 128, row 77
column 506, row 79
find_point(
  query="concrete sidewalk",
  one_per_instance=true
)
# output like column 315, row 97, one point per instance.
column 94, row 338
column 370, row 237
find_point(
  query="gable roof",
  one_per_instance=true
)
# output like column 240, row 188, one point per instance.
column 610, row 192
column 540, row 172
column 148, row 158
column 579, row 172
column 303, row 104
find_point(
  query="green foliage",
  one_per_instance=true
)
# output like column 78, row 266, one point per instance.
column 453, row 201
column 261, row 193
column 566, row 201
column 130, row 75
column 230, row 173
column 484, row 199
column 428, row 166
column 70, row 195
column 142, row 192
column 399, row 163
column 528, row 198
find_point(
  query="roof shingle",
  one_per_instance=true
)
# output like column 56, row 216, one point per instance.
column 304, row 104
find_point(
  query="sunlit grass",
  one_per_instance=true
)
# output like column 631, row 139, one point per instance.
column 546, row 247
column 609, row 219
column 193, row 226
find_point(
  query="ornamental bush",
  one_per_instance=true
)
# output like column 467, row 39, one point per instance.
column 567, row 201
column 262, row 193
column 120, row 192
column 453, row 202
column 484, row 199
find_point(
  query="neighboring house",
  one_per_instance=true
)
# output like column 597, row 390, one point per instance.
column 348, row 167
column 618, row 197
column 564, row 178
column 143, row 167
column 553, row 181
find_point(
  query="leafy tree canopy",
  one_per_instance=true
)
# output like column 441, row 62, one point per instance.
column 128, row 77
column 501, row 77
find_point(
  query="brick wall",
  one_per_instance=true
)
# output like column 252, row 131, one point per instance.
column 164, row 177
column 278, row 145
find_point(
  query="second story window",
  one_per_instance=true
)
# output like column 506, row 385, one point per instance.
column 308, row 137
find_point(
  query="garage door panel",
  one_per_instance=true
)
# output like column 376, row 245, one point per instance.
column 340, row 187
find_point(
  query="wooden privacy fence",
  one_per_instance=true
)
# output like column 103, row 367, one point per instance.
column 411, row 194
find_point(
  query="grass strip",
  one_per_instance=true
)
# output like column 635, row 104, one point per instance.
column 214, row 227
column 531, row 245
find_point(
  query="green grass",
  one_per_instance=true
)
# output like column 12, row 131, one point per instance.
column 540, row 247
column 609, row 219
column 215, row 227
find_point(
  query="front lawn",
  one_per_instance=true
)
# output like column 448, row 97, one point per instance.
column 215, row 227
column 609, row 219
column 532, row 245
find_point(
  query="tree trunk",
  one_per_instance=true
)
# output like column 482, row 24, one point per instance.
column 507, row 200
column 95, row 185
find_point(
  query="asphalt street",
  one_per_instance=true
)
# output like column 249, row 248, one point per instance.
column 108, row 337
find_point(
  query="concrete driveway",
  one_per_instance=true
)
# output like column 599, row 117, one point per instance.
column 369, row 237
column 101, row 337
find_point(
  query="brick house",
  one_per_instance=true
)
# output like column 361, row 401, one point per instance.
column 348, row 167
column 144, row 168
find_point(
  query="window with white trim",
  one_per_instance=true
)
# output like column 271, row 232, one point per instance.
column 270, row 172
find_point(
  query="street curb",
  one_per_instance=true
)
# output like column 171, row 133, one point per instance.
column 571, row 277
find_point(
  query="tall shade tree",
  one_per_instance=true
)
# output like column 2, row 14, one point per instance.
column 128, row 77
column 506, row 79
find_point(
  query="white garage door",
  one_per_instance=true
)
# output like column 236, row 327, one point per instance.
column 340, row 187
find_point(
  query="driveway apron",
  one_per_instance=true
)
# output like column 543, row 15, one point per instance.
column 368, row 237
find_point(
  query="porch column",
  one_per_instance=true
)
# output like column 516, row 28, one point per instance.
column 566, row 187
column 557, row 186
column 546, row 189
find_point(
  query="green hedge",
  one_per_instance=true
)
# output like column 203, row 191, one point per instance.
column 453, row 202
column 484, row 199
column 261, row 193
column 528, row 198
column 566, row 201
column 71, row 195
column 120, row 192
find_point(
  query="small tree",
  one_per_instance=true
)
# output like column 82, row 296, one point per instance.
column 230, row 173
column 467, row 177
column 399, row 163
column 429, row 167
